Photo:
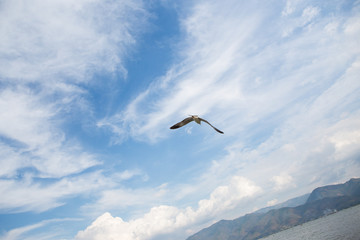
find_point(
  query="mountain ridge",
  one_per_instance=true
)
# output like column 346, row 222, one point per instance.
column 293, row 202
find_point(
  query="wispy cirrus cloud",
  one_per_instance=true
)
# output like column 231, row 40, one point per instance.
column 23, row 195
column 49, row 53
column 62, row 41
column 242, row 66
column 193, row 85
column 24, row 232
column 281, row 78
column 31, row 133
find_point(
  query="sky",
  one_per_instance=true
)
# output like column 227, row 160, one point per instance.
column 89, row 89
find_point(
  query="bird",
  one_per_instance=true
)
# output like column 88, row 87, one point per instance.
column 195, row 118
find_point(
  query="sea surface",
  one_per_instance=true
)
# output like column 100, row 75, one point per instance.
column 342, row 225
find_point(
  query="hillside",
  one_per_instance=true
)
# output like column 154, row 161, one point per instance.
column 294, row 202
column 350, row 188
column 322, row 201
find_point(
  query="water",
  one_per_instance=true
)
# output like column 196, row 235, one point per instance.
column 343, row 225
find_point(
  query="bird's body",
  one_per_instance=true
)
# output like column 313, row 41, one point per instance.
column 196, row 119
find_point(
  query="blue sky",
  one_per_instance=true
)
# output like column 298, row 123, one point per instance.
column 89, row 89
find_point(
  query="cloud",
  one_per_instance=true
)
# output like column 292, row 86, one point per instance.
column 32, row 136
column 319, row 143
column 23, row 231
column 64, row 40
column 165, row 219
column 49, row 52
column 309, row 13
column 128, row 174
column 271, row 202
column 193, row 85
column 237, row 68
column 284, row 86
column 282, row 181
column 28, row 195
column 119, row 197
column 290, row 7
column 302, row 22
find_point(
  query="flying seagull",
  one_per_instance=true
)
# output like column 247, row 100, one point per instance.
column 196, row 119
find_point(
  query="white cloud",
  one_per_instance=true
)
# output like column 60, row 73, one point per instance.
column 57, row 40
column 290, row 102
column 283, row 181
column 16, row 233
column 128, row 174
column 352, row 26
column 271, row 202
column 304, row 17
column 10, row 161
column 119, row 198
column 294, row 160
column 309, row 13
column 224, row 57
column 192, row 87
column 48, row 52
column 290, row 7
column 34, row 139
column 24, row 118
column 165, row 219
column 21, row 233
column 27, row 195
column 283, row 100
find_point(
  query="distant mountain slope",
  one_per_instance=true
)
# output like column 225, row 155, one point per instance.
column 350, row 188
column 294, row 202
column 322, row 201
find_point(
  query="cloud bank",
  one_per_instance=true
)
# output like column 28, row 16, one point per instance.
column 166, row 219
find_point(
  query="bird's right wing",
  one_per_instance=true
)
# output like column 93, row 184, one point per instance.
column 219, row 131
column 182, row 123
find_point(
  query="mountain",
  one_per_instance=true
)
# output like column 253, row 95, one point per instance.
column 294, row 202
column 322, row 201
column 350, row 188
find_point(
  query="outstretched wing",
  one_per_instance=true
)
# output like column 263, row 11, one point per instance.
column 182, row 123
column 201, row 119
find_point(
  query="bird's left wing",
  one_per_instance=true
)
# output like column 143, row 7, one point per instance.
column 201, row 119
column 182, row 123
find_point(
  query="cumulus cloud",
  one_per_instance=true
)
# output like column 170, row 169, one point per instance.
column 164, row 219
